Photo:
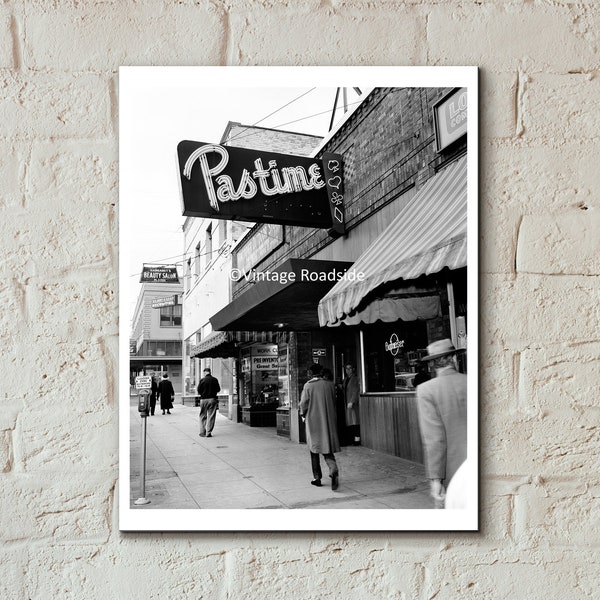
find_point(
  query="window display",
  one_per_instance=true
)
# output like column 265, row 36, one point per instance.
column 392, row 352
column 260, row 369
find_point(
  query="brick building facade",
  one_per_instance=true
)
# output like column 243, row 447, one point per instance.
column 391, row 164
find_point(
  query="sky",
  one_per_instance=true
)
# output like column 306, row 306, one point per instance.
column 159, row 108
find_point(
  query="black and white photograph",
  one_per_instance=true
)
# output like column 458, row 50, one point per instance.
column 298, row 298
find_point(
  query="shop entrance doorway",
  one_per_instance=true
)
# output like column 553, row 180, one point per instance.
column 345, row 352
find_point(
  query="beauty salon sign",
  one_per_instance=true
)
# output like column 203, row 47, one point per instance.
column 222, row 182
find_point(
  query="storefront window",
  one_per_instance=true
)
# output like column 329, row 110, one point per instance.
column 160, row 348
column 392, row 352
column 260, row 375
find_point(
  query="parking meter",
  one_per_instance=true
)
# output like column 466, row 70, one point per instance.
column 144, row 403
column 144, row 410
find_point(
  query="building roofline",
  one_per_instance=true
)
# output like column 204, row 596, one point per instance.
column 331, row 134
column 232, row 124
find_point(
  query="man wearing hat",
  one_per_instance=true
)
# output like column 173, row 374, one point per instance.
column 442, row 404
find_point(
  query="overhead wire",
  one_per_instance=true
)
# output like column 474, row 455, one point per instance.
column 185, row 257
column 241, row 135
column 276, row 111
column 250, row 134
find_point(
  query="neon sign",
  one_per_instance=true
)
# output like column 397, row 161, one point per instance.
column 394, row 345
column 263, row 187
column 284, row 181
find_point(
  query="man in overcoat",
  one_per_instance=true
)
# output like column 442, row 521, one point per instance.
column 317, row 406
column 351, row 398
column 442, row 406
column 208, row 388
column 153, row 394
column 166, row 393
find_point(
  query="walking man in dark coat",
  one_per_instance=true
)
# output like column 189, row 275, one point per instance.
column 153, row 394
column 166, row 394
column 351, row 397
column 317, row 406
column 442, row 405
column 208, row 388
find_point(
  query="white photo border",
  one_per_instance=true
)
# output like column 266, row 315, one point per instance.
column 131, row 519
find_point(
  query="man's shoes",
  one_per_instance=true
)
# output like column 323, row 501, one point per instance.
column 316, row 482
column 163, row 412
column 202, row 434
column 335, row 481
column 168, row 412
column 209, row 435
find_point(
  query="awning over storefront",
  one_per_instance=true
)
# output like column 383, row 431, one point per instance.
column 408, row 304
column 226, row 344
column 429, row 234
column 286, row 302
column 219, row 344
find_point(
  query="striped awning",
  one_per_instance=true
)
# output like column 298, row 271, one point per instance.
column 429, row 234
column 218, row 344
column 226, row 344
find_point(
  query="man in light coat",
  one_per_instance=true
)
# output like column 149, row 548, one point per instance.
column 317, row 407
column 442, row 406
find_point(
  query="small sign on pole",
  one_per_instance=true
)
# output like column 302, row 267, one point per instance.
column 143, row 382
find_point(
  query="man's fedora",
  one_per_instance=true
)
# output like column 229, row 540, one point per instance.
column 441, row 348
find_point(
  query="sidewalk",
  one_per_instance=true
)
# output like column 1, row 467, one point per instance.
column 248, row 467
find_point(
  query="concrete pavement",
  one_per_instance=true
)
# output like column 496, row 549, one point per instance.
column 247, row 467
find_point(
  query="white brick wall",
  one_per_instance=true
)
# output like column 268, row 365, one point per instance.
column 540, row 126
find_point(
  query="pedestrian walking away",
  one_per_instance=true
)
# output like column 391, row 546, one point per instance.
column 317, row 407
column 166, row 394
column 442, row 406
column 351, row 397
column 153, row 394
column 208, row 388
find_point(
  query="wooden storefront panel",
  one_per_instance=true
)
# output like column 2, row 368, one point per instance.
column 390, row 424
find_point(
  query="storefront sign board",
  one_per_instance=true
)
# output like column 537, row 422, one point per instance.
column 450, row 118
column 166, row 301
column 159, row 274
column 222, row 182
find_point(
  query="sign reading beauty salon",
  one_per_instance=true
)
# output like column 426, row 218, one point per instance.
column 221, row 182
column 159, row 274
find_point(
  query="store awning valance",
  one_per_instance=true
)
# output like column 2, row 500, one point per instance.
column 226, row 344
column 286, row 302
column 429, row 234
column 402, row 303
column 218, row 344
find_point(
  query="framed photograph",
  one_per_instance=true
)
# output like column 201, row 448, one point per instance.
column 298, row 286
